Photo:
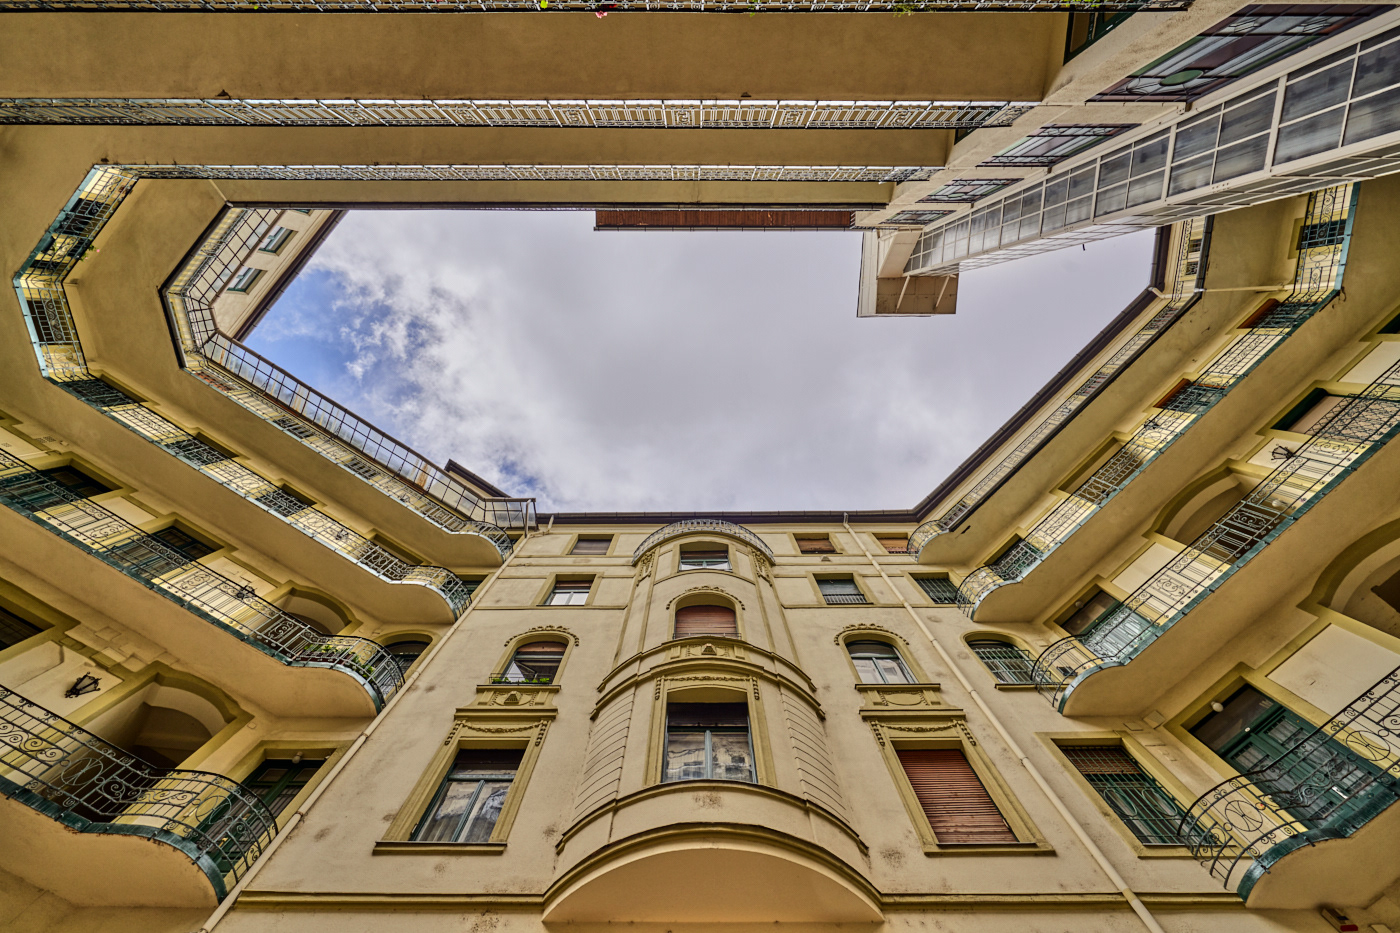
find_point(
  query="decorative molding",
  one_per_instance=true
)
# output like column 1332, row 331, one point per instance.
column 850, row 630
column 902, row 696
column 543, row 629
column 710, row 648
column 705, row 589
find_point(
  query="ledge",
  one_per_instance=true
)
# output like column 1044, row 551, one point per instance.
column 394, row 847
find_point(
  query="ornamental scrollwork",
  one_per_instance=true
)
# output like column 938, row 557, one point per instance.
column 544, row 630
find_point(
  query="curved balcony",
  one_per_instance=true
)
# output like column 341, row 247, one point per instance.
column 1317, row 280
column 1292, row 833
column 254, row 383
column 1185, row 276
column 1348, row 437
column 702, row 526
column 88, row 785
column 234, row 607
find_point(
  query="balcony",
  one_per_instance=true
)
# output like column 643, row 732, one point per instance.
column 209, row 829
column 1086, row 674
column 1317, row 281
column 1184, row 278
column 231, row 606
column 1292, row 833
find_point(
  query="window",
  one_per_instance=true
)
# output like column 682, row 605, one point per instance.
column 878, row 663
column 592, row 546
column 471, row 584
column 840, row 591
column 706, row 620
column 277, row 781
column 284, row 501
column 1134, row 795
column 958, row 807
column 74, row 482
column 704, row 558
column 820, row 544
column 294, row 428
column 1051, row 144
column 894, row 544
column 939, row 589
column 469, row 802
column 276, row 240
column 535, row 662
column 1009, row 664
column 244, row 279
column 708, row 741
column 406, row 652
column 1088, row 611
column 13, row 629
column 569, row 592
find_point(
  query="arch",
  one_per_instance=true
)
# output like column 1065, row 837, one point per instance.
column 877, row 661
column 705, row 611
column 1196, row 507
column 876, row 633
column 696, row 594
column 166, row 720
column 1005, row 656
column 527, row 660
column 316, row 609
column 1363, row 582
column 407, row 647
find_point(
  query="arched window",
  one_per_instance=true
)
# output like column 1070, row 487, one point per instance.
column 406, row 652
column 535, row 662
column 706, row 620
column 878, row 663
column 1008, row 663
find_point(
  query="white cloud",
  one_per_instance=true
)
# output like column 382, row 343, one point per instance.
column 682, row 371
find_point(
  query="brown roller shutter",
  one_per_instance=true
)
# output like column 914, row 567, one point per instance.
column 894, row 544
column 958, row 807
column 706, row 620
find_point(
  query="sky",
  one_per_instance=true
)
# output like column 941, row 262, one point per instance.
column 676, row 371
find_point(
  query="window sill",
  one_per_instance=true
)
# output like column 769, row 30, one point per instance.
column 998, row 848
column 1146, row 850
column 397, row 847
column 1002, row 686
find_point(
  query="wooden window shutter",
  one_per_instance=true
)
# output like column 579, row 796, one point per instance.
column 958, row 807
column 706, row 620
column 894, row 544
column 820, row 545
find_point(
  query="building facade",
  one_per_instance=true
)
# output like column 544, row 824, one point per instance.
column 1134, row 666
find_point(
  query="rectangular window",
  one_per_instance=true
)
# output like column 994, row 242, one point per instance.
column 277, row 781
column 13, row 629
column 56, row 486
column 939, row 589
column 1008, row 663
column 1088, row 611
column 244, row 279
column 276, row 240
column 471, row 797
column 1134, row 795
column 591, row 546
column 569, row 592
column 894, row 544
column 471, row 583
column 704, row 558
column 958, row 807
column 708, row 742
column 841, row 591
column 820, row 544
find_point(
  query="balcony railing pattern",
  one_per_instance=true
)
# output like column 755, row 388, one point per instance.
column 698, row 526
column 234, row 607
column 92, row 786
column 1317, row 280
column 1327, row 786
column 1185, row 274
column 1349, row 435
column 591, row 6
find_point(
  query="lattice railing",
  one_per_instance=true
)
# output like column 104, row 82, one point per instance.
column 694, row 526
column 233, row 606
column 592, row 6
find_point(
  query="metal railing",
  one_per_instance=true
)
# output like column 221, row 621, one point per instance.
column 92, row 786
column 1316, row 281
column 1347, row 437
column 674, row 114
column 697, row 526
column 232, row 606
column 1327, row 786
column 1185, row 275
column 591, row 6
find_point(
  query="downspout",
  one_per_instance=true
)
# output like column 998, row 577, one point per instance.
column 1104, row 864
column 227, row 903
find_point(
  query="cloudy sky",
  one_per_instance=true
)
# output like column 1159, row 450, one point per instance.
column 679, row 371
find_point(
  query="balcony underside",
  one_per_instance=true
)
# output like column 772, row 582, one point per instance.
column 207, row 650
column 1319, row 869
column 1281, row 569
column 98, row 868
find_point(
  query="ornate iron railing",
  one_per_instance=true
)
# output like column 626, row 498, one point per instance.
column 92, row 786
column 1317, row 280
column 1348, row 436
column 696, row 526
column 1184, row 278
column 591, row 6
column 674, row 114
column 234, row 607
column 1327, row 786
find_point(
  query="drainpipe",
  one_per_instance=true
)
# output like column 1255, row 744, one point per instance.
column 227, row 903
column 1104, row 864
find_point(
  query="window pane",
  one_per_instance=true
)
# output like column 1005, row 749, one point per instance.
column 1317, row 92
column 441, row 824
column 1315, row 134
column 1241, row 158
column 1377, row 68
column 685, row 755
column 486, row 812
column 892, row 670
column 729, row 756
column 868, row 672
column 1374, row 116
